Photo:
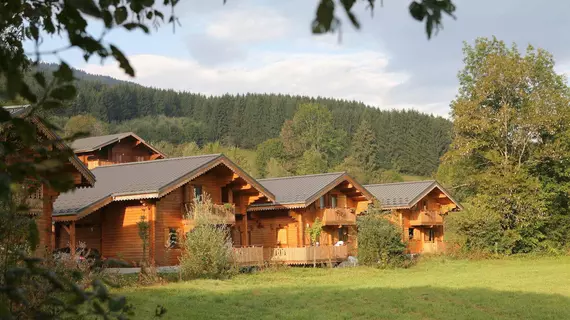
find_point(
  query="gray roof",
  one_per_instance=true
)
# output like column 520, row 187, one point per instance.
column 401, row 194
column 95, row 143
column 130, row 178
column 298, row 189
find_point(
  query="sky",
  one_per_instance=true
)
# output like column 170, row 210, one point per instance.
column 267, row 47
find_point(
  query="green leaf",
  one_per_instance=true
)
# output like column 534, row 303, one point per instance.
column 40, row 79
column 133, row 25
column 123, row 61
column 64, row 73
column 116, row 304
column 64, row 92
column 120, row 15
column 417, row 11
column 87, row 6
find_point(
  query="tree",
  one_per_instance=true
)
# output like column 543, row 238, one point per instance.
column 275, row 169
column 510, row 117
column 85, row 124
column 379, row 239
column 31, row 20
column 272, row 148
column 312, row 162
column 365, row 148
column 312, row 128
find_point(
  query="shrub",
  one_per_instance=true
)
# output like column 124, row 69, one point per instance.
column 477, row 232
column 380, row 241
column 207, row 249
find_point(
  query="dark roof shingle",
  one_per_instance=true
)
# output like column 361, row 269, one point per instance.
column 298, row 189
column 399, row 194
column 130, row 178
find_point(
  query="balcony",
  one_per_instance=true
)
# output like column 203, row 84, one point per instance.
column 219, row 214
column 339, row 216
column 427, row 218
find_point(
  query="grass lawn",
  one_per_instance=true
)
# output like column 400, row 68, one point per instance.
column 435, row 289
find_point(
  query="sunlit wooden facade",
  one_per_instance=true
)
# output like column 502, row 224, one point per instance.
column 114, row 149
column 420, row 209
column 281, row 227
column 110, row 224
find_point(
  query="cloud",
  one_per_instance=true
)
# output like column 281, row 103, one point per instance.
column 354, row 76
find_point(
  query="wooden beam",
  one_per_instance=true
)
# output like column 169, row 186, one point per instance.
column 72, row 244
column 246, row 186
column 155, row 156
column 246, row 232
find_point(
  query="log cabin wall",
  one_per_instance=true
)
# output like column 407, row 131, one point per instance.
column 169, row 215
column 44, row 221
column 125, row 151
column 272, row 228
column 119, row 231
column 88, row 231
column 419, row 237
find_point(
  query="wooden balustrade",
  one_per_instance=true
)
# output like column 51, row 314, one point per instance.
column 249, row 256
column 339, row 216
column 257, row 256
column 427, row 218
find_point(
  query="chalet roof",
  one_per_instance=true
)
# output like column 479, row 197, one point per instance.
column 305, row 189
column 402, row 195
column 95, row 143
column 142, row 180
column 22, row 111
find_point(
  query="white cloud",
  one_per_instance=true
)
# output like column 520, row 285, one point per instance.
column 355, row 76
column 253, row 25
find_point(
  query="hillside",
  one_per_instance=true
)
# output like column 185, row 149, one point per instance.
column 409, row 142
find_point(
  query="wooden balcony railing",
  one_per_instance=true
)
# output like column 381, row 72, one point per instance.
column 427, row 218
column 339, row 216
column 220, row 214
column 306, row 255
column 249, row 256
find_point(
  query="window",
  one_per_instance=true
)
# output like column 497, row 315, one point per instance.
column 429, row 235
column 282, row 236
column 343, row 234
column 322, row 202
column 117, row 158
column 425, row 206
column 172, row 238
column 198, row 192
column 333, row 202
column 410, row 233
column 139, row 158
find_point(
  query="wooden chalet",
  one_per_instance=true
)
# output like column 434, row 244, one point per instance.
column 40, row 203
column 279, row 227
column 420, row 208
column 105, row 217
column 113, row 149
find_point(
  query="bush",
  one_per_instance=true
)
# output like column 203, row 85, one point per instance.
column 380, row 241
column 207, row 251
column 476, row 232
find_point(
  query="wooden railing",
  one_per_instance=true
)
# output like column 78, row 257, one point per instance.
column 249, row 256
column 339, row 216
column 256, row 256
column 427, row 218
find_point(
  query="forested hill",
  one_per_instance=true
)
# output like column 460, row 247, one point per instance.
column 411, row 142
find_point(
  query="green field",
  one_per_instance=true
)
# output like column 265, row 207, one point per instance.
column 437, row 289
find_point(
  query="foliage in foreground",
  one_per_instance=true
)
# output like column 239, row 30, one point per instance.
column 510, row 152
column 207, row 249
column 380, row 240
